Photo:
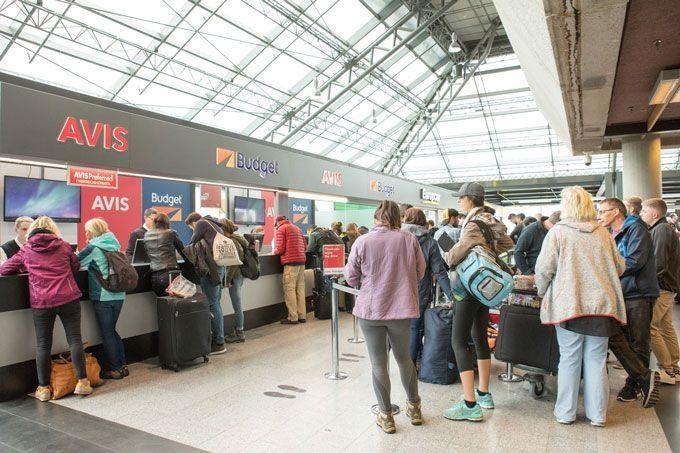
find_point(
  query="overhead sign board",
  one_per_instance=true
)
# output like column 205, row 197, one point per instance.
column 92, row 177
column 430, row 197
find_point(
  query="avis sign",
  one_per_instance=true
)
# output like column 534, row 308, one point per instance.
column 92, row 177
column 82, row 132
column 332, row 178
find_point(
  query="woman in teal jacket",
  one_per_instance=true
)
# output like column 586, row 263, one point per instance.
column 107, row 304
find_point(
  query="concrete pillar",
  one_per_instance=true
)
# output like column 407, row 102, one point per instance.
column 642, row 167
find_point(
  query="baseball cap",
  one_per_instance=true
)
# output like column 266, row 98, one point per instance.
column 281, row 218
column 471, row 189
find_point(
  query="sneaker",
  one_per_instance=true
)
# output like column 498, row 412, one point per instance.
column 460, row 411
column 288, row 322
column 650, row 390
column 43, row 393
column 237, row 336
column 627, row 394
column 386, row 422
column 113, row 374
column 666, row 377
column 485, row 401
column 563, row 421
column 216, row 349
column 676, row 374
column 302, row 320
column 597, row 424
column 83, row 388
column 414, row 413
column 125, row 371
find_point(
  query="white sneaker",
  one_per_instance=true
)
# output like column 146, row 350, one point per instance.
column 667, row 378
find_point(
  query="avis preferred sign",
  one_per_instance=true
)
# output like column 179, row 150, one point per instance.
column 92, row 177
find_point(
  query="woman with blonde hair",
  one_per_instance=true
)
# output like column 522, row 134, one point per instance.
column 350, row 236
column 387, row 264
column 107, row 305
column 577, row 274
column 51, row 265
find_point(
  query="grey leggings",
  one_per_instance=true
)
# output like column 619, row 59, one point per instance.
column 398, row 332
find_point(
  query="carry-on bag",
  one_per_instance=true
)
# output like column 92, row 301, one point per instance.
column 523, row 340
column 183, row 330
column 322, row 294
column 438, row 363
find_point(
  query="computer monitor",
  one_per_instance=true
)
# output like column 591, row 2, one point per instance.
column 139, row 255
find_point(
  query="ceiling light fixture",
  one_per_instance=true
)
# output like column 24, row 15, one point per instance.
column 454, row 47
column 374, row 120
column 317, row 92
column 316, row 196
column 666, row 90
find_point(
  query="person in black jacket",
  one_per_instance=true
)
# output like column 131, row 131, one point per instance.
column 518, row 220
column 640, row 289
column 529, row 245
column 161, row 243
column 12, row 247
column 667, row 254
column 416, row 223
column 149, row 216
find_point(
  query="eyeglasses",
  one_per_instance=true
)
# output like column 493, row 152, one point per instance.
column 602, row 211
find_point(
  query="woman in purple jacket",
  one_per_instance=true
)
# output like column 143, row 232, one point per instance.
column 387, row 264
column 50, row 264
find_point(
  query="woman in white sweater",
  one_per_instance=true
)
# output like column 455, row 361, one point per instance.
column 577, row 274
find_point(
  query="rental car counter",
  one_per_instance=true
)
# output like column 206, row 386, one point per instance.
column 41, row 125
column 137, row 324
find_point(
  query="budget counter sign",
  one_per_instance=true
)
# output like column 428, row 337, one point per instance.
column 172, row 198
column 120, row 207
column 301, row 213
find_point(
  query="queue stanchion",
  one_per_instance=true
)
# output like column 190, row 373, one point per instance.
column 356, row 338
column 509, row 375
column 336, row 374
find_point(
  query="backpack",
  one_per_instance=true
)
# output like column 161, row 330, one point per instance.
column 224, row 250
column 481, row 275
column 251, row 263
column 327, row 237
column 122, row 275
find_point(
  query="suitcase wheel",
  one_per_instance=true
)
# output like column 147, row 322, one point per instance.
column 205, row 359
column 175, row 368
column 537, row 387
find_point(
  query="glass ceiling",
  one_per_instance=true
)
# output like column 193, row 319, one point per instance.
column 267, row 69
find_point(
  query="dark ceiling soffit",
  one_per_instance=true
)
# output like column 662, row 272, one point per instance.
column 617, row 130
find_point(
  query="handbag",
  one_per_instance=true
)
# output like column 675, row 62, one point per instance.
column 63, row 379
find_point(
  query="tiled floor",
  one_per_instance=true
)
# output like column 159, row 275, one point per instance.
column 221, row 406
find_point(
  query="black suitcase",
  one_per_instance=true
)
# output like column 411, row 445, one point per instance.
column 523, row 340
column 438, row 363
column 323, row 288
column 184, row 332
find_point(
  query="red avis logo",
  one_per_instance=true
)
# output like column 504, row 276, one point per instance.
column 83, row 133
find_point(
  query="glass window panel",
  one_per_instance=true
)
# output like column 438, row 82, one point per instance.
column 346, row 17
column 411, row 72
column 250, row 18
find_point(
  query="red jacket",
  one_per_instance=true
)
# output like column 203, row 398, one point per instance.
column 50, row 264
column 290, row 244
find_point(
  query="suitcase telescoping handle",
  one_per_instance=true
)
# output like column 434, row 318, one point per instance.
column 435, row 300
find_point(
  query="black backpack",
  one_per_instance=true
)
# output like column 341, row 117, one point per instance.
column 251, row 263
column 327, row 237
column 122, row 275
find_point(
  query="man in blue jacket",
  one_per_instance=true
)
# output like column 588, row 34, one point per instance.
column 640, row 289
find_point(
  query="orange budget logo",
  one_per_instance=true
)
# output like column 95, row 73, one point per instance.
column 226, row 156
column 173, row 213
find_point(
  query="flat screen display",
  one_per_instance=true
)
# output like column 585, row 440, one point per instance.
column 249, row 211
column 37, row 197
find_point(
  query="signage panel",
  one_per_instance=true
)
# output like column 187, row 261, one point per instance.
column 120, row 207
column 270, row 215
column 333, row 259
column 92, row 177
column 171, row 198
column 301, row 213
column 211, row 196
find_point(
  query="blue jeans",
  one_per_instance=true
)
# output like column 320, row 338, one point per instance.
column 235, row 296
column 107, row 312
column 214, row 295
column 588, row 353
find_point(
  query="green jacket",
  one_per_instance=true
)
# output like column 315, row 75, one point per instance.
column 92, row 258
column 241, row 244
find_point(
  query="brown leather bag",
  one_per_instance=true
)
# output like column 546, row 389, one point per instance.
column 63, row 377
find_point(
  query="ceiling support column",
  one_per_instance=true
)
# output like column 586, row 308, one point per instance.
column 642, row 167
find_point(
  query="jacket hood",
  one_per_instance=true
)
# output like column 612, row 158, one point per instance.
column 106, row 241
column 44, row 242
column 631, row 219
column 414, row 229
column 583, row 227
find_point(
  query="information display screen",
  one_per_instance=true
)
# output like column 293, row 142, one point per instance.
column 249, row 211
column 37, row 197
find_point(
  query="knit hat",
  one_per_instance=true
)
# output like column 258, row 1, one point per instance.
column 471, row 189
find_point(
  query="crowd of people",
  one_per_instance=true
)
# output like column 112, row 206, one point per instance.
column 608, row 276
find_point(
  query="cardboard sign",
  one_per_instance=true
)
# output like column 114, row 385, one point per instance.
column 333, row 259
column 92, row 177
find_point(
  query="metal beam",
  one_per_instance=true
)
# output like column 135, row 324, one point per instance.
column 480, row 52
column 17, row 32
column 369, row 70
column 49, row 34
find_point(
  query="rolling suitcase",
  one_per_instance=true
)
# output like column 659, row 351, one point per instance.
column 184, row 332
column 322, row 295
column 437, row 363
column 523, row 340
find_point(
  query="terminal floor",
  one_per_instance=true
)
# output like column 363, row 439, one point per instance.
column 223, row 406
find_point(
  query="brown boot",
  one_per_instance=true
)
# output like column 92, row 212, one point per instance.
column 386, row 422
column 414, row 413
